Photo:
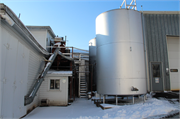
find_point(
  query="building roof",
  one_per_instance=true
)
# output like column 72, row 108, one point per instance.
column 161, row 12
column 10, row 17
column 59, row 73
column 43, row 27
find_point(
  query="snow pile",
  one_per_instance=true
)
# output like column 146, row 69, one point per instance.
column 82, row 108
column 152, row 107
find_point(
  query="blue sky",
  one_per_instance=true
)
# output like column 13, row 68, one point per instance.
column 76, row 18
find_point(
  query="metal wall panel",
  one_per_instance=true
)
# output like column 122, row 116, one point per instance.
column 15, row 66
column 157, row 27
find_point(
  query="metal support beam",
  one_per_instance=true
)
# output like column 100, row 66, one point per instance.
column 116, row 100
column 104, row 99
column 91, row 80
column 130, row 5
column 72, row 52
column 133, row 99
column 70, row 87
column 74, row 85
column 144, row 98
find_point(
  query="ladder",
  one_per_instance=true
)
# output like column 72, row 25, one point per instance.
column 83, row 87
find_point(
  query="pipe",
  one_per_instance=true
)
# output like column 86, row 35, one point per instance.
column 145, row 51
column 68, row 58
column 30, row 97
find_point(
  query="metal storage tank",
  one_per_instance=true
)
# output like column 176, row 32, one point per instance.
column 120, row 53
column 92, row 60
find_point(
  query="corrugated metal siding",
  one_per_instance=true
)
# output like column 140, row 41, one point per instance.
column 35, row 66
column 157, row 26
column 17, row 59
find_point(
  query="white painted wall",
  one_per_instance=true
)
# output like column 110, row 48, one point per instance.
column 18, row 61
column 56, row 97
column 40, row 35
column 43, row 37
column 173, row 44
column 49, row 39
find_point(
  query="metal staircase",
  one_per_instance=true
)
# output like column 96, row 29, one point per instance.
column 83, row 87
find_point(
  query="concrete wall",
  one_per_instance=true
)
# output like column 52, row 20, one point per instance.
column 55, row 96
column 20, row 65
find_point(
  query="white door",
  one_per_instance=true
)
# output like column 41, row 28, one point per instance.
column 173, row 44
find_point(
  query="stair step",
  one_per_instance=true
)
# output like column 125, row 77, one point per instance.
column 83, row 91
column 83, row 94
column 82, row 83
column 82, row 87
column 83, row 80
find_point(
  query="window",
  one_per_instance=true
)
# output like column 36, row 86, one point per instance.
column 156, row 70
column 54, row 84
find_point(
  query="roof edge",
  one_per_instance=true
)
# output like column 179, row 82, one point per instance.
column 160, row 12
column 22, row 28
column 42, row 27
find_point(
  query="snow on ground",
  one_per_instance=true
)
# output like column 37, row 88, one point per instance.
column 82, row 108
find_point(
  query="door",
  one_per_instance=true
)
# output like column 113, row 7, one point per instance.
column 173, row 44
column 156, row 74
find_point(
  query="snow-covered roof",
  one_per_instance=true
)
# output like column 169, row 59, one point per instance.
column 59, row 73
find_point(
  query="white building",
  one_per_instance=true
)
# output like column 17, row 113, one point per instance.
column 24, row 54
column 55, row 88
column 44, row 35
column 22, row 60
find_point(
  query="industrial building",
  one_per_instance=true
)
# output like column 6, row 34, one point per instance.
column 136, row 51
column 163, row 45
column 133, row 53
column 37, row 68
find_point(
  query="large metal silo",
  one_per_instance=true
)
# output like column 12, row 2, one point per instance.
column 92, row 61
column 120, row 53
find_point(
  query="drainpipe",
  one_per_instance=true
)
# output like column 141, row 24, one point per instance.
column 145, row 51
